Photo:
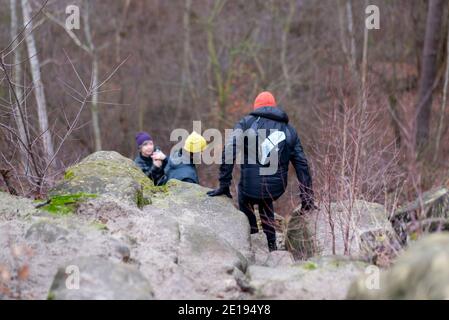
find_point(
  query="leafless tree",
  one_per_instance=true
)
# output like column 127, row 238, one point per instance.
column 443, row 104
column 39, row 92
column 90, row 48
column 429, row 69
column 17, row 76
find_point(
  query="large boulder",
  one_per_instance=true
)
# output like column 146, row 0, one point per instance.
column 428, row 213
column 318, row 278
column 189, row 204
column 360, row 229
column 185, row 245
column 421, row 272
column 208, row 238
column 107, row 173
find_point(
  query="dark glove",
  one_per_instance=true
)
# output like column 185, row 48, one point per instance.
column 220, row 191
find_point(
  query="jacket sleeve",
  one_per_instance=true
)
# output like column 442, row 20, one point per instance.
column 299, row 162
column 157, row 174
column 143, row 166
column 229, row 153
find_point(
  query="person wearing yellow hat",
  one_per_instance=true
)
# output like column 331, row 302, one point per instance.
column 180, row 164
column 195, row 143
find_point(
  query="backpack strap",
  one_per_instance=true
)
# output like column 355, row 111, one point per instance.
column 289, row 131
column 251, row 121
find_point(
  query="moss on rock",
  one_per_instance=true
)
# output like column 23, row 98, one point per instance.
column 65, row 204
column 109, row 173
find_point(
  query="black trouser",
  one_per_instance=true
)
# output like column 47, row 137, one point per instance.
column 266, row 212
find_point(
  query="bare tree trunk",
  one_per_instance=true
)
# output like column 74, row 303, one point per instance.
column 346, row 26
column 141, row 113
column 118, row 34
column 94, row 105
column 17, row 75
column 364, row 70
column 359, row 79
column 284, row 42
column 351, row 32
column 5, row 174
column 185, row 76
column 92, row 51
column 359, row 146
column 392, row 99
column 220, row 85
column 443, row 103
column 37, row 81
column 429, row 69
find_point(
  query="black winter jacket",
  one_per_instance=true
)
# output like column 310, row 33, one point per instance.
column 252, row 183
column 151, row 171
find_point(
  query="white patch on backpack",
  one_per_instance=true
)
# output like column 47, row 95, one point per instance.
column 271, row 142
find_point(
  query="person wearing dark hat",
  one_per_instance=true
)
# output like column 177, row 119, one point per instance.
column 151, row 160
column 260, row 189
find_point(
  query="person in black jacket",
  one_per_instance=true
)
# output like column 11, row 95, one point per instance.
column 255, row 187
column 151, row 160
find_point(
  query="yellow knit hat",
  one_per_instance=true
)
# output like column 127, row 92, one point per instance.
column 195, row 143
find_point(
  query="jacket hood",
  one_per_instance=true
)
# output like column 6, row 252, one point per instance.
column 276, row 114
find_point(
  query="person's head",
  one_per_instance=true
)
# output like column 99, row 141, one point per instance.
column 195, row 143
column 264, row 99
column 144, row 143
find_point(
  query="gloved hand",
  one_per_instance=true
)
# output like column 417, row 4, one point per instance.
column 220, row 191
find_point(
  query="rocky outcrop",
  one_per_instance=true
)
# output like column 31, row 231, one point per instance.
column 429, row 213
column 360, row 229
column 421, row 272
column 131, row 240
column 185, row 245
